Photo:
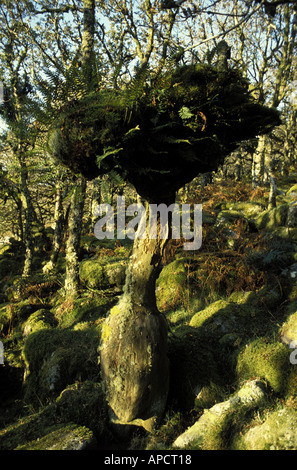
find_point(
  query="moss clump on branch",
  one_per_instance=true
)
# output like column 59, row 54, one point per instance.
column 183, row 124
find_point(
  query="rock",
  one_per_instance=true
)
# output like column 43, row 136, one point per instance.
column 170, row 285
column 41, row 319
column 208, row 396
column 55, row 358
column 288, row 331
column 213, row 427
column 278, row 432
column 63, row 437
column 250, row 210
column 291, row 271
column 292, row 216
column 229, row 321
column 98, row 274
column 84, row 403
column 267, row 359
column 272, row 218
column 116, row 273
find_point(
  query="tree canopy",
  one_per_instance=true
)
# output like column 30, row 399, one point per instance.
column 160, row 136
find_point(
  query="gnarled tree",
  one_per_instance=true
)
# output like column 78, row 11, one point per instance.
column 158, row 137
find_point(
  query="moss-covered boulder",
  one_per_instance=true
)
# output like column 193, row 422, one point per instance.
column 84, row 403
column 266, row 359
column 55, row 358
column 278, row 432
column 213, row 428
column 80, row 411
column 229, row 218
column 288, row 330
column 171, row 285
column 63, row 437
column 100, row 274
column 41, row 319
column 273, row 218
column 83, row 310
column 5, row 319
column 230, row 321
column 250, row 210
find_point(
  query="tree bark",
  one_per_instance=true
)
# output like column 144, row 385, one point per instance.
column 29, row 216
column 134, row 363
column 88, row 41
column 58, row 222
column 73, row 241
column 58, row 225
column 258, row 162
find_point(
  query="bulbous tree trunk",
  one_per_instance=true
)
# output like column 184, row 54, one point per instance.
column 134, row 363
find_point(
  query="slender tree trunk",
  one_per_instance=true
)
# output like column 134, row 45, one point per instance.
column 58, row 225
column 29, row 217
column 73, row 241
column 58, row 222
column 78, row 196
column 19, row 206
column 96, row 199
column 258, row 162
column 88, row 42
column 273, row 192
column 134, row 362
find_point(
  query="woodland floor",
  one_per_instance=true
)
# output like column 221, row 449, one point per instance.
column 232, row 314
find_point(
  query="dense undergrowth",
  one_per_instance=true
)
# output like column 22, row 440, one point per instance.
column 231, row 309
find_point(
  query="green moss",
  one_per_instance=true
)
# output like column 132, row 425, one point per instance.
column 62, row 437
column 80, row 405
column 4, row 249
column 85, row 404
column 41, row 319
column 278, row 432
column 265, row 359
column 289, row 328
column 270, row 219
column 247, row 209
column 171, row 285
column 92, row 274
column 102, row 274
column 55, row 358
column 229, row 217
column 83, row 309
column 199, row 318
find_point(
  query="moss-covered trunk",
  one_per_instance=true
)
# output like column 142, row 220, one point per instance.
column 134, row 362
column 29, row 216
column 73, row 241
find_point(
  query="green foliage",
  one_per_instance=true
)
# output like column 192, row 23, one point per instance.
column 183, row 123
